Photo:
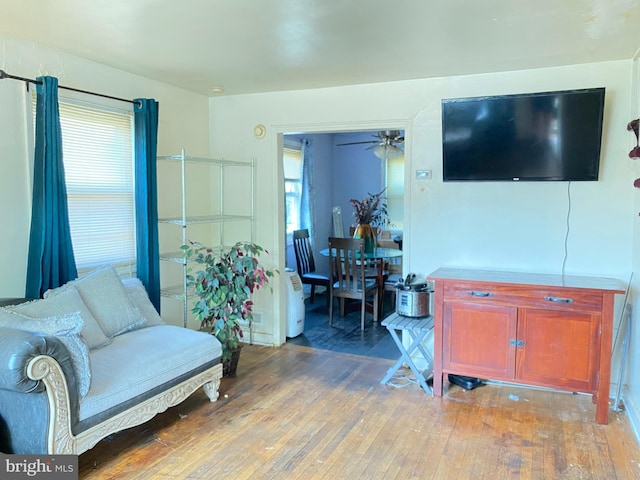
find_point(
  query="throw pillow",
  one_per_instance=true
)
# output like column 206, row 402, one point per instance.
column 67, row 329
column 103, row 292
column 140, row 298
column 67, row 301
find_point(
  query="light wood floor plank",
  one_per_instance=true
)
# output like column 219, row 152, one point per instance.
column 298, row 413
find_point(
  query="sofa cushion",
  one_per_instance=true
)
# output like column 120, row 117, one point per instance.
column 140, row 298
column 103, row 292
column 66, row 328
column 67, row 301
column 140, row 360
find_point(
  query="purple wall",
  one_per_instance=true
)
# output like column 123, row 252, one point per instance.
column 356, row 172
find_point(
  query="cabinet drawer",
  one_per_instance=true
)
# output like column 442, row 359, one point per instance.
column 554, row 298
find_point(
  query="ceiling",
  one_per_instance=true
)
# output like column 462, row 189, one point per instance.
column 251, row 46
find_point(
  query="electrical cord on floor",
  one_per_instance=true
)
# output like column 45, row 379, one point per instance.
column 402, row 380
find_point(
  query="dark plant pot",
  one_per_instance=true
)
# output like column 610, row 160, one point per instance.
column 229, row 367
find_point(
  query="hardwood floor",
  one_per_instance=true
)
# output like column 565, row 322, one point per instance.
column 299, row 413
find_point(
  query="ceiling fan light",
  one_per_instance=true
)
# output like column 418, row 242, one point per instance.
column 388, row 151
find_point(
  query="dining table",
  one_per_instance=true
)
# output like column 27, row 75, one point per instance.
column 377, row 256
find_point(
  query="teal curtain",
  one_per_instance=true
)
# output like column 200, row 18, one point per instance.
column 145, row 113
column 307, row 196
column 50, row 262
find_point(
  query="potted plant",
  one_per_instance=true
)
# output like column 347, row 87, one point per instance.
column 223, row 284
column 369, row 212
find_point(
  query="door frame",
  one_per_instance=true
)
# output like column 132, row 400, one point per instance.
column 406, row 124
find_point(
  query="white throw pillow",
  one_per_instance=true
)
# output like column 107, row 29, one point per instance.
column 140, row 298
column 67, row 301
column 103, row 292
column 67, row 329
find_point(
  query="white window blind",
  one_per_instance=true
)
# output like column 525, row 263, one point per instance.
column 98, row 161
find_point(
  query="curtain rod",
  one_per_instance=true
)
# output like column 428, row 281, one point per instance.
column 4, row 75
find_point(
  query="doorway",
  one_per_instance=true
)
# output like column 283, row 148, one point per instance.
column 342, row 165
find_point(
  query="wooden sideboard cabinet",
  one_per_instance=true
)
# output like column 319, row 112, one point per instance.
column 535, row 329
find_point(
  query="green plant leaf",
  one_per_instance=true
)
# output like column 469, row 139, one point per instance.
column 223, row 283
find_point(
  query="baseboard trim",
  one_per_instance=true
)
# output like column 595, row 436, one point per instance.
column 633, row 414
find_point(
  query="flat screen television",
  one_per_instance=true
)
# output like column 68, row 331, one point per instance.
column 526, row 137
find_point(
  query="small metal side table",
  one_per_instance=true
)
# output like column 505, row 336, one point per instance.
column 417, row 328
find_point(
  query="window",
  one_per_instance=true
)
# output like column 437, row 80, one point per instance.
column 97, row 146
column 292, row 161
column 395, row 192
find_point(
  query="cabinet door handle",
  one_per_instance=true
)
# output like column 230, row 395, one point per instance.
column 480, row 294
column 559, row 300
column 516, row 343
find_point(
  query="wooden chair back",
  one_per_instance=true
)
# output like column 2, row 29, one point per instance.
column 305, row 263
column 302, row 249
column 346, row 266
column 393, row 266
column 348, row 271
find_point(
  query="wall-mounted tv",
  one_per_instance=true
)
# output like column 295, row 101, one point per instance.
column 524, row 137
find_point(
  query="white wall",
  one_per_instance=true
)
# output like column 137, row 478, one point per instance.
column 512, row 226
column 183, row 122
column 631, row 393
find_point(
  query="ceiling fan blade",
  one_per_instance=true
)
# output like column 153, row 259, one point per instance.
column 355, row 143
column 386, row 139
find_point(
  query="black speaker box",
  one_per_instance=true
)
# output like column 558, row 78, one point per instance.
column 468, row 383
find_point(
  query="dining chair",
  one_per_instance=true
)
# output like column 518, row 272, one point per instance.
column 346, row 267
column 305, row 263
column 392, row 266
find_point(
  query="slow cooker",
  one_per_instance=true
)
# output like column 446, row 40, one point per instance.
column 412, row 297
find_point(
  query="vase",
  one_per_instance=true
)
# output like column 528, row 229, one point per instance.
column 364, row 231
column 229, row 367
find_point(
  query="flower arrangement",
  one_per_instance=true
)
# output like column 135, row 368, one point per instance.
column 223, row 288
column 633, row 126
column 371, row 210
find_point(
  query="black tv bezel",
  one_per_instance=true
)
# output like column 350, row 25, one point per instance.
column 527, row 95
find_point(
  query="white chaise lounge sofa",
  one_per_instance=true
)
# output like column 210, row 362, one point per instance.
column 90, row 359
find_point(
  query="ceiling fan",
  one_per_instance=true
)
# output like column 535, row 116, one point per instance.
column 386, row 145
